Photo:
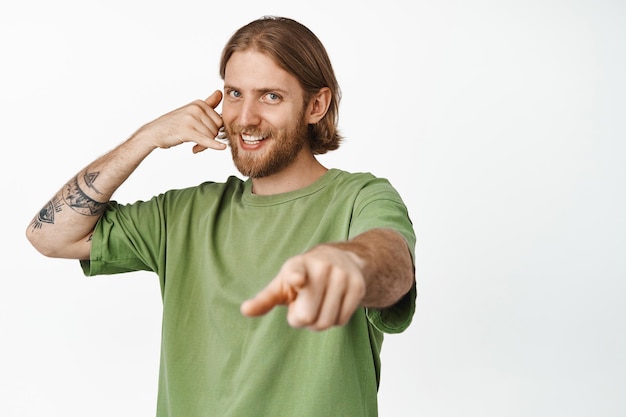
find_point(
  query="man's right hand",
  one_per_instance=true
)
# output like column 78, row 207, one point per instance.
column 64, row 226
column 196, row 122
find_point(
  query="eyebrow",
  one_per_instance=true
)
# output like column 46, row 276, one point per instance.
column 263, row 90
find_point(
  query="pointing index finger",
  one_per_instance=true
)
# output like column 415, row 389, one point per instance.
column 282, row 290
column 273, row 295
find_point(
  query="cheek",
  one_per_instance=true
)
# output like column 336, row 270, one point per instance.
column 281, row 120
column 228, row 115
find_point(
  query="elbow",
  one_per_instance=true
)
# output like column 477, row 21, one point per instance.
column 406, row 280
column 52, row 245
column 46, row 244
column 38, row 243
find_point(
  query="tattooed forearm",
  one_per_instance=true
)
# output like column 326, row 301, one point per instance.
column 81, row 202
column 72, row 196
column 46, row 215
column 75, row 198
column 90, row 179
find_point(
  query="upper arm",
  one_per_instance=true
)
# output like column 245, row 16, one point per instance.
column 379, row 206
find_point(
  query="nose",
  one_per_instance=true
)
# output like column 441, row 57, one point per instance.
column 249, row 114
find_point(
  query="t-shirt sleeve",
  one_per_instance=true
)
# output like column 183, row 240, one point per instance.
column 380, row 206
column 397, row 318
column 126, row 238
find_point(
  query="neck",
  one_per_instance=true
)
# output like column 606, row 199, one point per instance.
column 302, row 172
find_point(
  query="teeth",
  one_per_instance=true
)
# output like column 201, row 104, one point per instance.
column 251, row 140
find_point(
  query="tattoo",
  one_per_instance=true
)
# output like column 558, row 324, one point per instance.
column 81, row 202
column 90, row 179
column 46, row 215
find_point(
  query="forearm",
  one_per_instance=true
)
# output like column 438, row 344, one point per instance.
column 386, row 264
column 63, row 227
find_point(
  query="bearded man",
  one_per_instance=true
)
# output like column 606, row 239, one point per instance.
column 277, row 289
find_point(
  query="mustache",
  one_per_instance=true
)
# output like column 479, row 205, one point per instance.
column 226, row 132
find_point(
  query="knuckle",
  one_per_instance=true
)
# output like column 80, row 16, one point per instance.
column 342, row 321
column 301, row 317
column 194, row 109
column 197, row 104
column 295, row 321
column 323, row 324
column 316, row 328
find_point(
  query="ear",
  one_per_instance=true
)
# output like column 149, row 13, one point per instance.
column 318, row 106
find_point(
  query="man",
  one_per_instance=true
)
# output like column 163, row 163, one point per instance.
column 335, row 249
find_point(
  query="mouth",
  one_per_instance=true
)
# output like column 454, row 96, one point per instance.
column 252, row 139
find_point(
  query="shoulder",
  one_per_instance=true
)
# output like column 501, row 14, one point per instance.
column 342, row 178
column 364, row 182
column 206, row 191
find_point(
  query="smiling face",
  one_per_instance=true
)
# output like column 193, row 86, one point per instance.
column 264, row 115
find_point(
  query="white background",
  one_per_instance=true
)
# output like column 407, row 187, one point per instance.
column 500, row 122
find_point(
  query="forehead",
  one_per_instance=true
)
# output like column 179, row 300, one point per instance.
column 253, row 70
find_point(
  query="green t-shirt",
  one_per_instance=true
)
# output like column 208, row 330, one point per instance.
column 214, row 246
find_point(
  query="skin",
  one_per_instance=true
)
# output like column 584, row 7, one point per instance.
column 321, row 287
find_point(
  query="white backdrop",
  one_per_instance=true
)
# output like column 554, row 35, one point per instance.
column 500, row 122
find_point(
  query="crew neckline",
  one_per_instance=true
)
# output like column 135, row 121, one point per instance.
column 268, row 200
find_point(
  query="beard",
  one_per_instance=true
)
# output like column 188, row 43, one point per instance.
column 282, row 148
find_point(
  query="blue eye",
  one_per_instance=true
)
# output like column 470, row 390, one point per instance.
column 272, row 97
column 231, row 92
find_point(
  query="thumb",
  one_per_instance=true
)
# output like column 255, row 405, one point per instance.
column 214, row 99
